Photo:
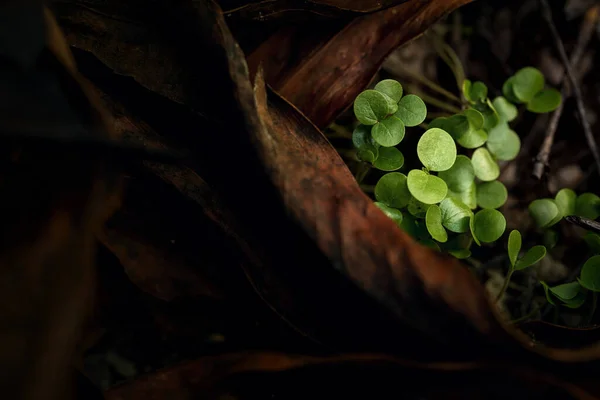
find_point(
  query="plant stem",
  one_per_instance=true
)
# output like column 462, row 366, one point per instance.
column 436, row 102
column 527, row 316
column 505, row 286
column 450, row 57
column 431, row 85
column 339, row 131
column 594, row 305
column 362, row 171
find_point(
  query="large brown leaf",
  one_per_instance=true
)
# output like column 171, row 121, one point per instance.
column 265, row 10
column 276, row 375
column 337, row 68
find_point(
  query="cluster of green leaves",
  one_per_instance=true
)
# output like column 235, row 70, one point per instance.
column 527, row 86
column 452, row 200
column 547, row 212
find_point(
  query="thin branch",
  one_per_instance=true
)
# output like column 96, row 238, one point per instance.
column 431, row 85
column 547, row 13
column 585, row 34
column 585, row 223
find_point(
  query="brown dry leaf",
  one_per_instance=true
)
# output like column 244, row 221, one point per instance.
column 276, row 375
column 326, row 82
column 277, row 9
column 559, row 336
column 52, row 211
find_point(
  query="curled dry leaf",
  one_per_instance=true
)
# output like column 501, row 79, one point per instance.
column 337, row 68
column 266, row 10
column 263, row 375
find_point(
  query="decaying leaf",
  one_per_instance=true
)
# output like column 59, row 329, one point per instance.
column 338, row 68
column 265, row 10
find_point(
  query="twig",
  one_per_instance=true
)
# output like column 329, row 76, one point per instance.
column 585, row 223
column 431, row 85
column 593, row 15
column 434, row 101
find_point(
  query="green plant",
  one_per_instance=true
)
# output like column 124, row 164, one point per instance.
column 454, row 191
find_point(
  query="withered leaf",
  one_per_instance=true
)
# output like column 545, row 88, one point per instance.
column 266, row 10
column 339, row 67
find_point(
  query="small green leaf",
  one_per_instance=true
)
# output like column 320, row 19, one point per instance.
column 514, row 246
column 491, row 194
column 565, row 200
column 457, row 126
column 508, row 91
column 549, row 295
column 368, row 154
column 436, row 150
column 576, row 302
column 533, row 256
column 472, row 229
column 390, row 159
column 490, row 115
column 460, row 254
column 544, row 212
column 527, row 83
column 417, row 209
column 388, row 132
column 484, row 165
column 455, row 215
column 426, row 188
column 587, row 205
column 468, row 196
column 545, row 101
column 361, row 137
column 474, row 91
column 462, row 241
column 593, row 242
column 433, row 219
column 566, row 291
column 503, row 143
column 473, row 139
column 506, row 110
column 411, row 110
column 392, row 190
column 590, row 274
column 409, row 225
column 550, row 238
column 489, row 225
column 371, row 107
column 460, row 176
column 394, row 214
column 475, row 118
column 391, row 88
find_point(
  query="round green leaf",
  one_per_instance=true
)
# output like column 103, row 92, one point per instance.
column 468, row 196
column 460, row 254
column 436, row 150
column 368, row 154
column 392, row 190
column 455, row 215
column 489, row 225
column 575, row 302
column 527, row 83
column 411, row 110
column 587, row 205
column 491, row 194
column 545, row 101
column 472, row 229
column 391, row 88
column 371, row 106
column 361, row 137
column 394, row 214
column 388, row 132
column 490, row 115
column 433, row 219
column 565, row 200
column 593, row 242
column 417, row 209
column 549, row 296
column 466, row 89
column 460, row 176
column 409, row 225
column 440, row 122
column 506, row 110
column 590, row 274
column 426, row 188
column 566, row 291
column 390, row 159
column 473, row 139
column 503, row 143
column 543, row 212
column 508, row 90
column 458, row 242
column 533, row 255
column 475, row 118
column 474, row 92
column 484, row 165
column 514, row 246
